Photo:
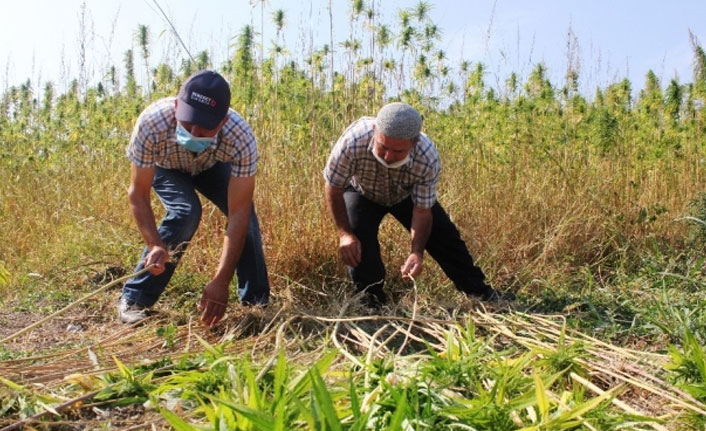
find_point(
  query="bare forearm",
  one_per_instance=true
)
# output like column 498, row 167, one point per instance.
column 144, row 219
column 233, row 243
column 337, row 208
column 421, row 229
column 349, row 247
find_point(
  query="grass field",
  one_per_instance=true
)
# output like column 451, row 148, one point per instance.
column 590, row 209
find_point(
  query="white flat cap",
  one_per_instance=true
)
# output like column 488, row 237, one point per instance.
column 399, row 120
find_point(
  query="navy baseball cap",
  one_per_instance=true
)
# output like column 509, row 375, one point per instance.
column 204, row 99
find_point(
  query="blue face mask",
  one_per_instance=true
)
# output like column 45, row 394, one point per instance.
column 191, row 143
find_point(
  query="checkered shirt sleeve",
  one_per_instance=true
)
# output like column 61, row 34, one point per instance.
column 342, row 160
column 143, row 142
column 426, row 168
column 240, row 146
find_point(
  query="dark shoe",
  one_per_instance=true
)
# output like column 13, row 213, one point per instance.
column 253, row 304
column 131, row 312
column 374, row 299
column 488, row 294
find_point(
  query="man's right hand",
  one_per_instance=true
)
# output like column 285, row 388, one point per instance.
column 349, row 249
column 157, row 256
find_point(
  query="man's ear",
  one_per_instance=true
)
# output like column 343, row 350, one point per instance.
column 223, row 121
column 375, row 130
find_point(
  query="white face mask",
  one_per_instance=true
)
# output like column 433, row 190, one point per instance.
column 393, row 165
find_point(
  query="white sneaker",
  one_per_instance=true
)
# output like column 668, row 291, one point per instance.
column 131, row 312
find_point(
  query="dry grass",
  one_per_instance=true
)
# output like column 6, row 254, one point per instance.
column 62, row 358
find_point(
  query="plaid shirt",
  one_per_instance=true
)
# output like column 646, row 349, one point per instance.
column 352, row 162
column 153, row 143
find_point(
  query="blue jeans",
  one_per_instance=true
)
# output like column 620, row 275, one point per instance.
column 177, row 191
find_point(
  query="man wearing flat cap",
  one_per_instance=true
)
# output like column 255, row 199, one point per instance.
column 180, row 146
column 386, row 165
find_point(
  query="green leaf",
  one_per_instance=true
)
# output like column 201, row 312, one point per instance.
column 178, row 423
column 280, row 376
column 209, row 348
column 583, row 408
column 542, row 400
column 12, row 385
column 528, row 399
column 400, row 413
column 355, row 401
column 325, row 402
column 261, row 421
column 305, row 413
column 255, row 394
column 124, row 371
column 280, row 416
column 300, row 385
column 4, row 275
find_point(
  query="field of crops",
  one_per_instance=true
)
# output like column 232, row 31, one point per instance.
column 590, row 209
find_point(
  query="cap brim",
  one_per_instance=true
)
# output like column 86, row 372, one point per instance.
column 189, row 114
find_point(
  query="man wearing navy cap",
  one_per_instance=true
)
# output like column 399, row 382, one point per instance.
column 385, row 165
column 181, row 145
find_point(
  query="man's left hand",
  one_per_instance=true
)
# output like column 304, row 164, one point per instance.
column 214, row 302
column 413, row 266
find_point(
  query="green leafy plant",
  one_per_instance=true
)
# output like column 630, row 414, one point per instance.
column 689, row 366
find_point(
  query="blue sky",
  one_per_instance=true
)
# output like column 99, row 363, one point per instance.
column 614, row 39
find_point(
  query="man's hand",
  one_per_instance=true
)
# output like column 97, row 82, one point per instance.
column 214, row 302
column 157, row 256
column 413, row 266
column 139, row 199
column 349, row 249
column 420, row 230
column 348, row 244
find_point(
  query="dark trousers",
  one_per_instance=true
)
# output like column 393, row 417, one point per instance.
column 444, row 245
column 177, row 191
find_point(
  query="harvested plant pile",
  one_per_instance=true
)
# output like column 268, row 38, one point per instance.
column 482, row 370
